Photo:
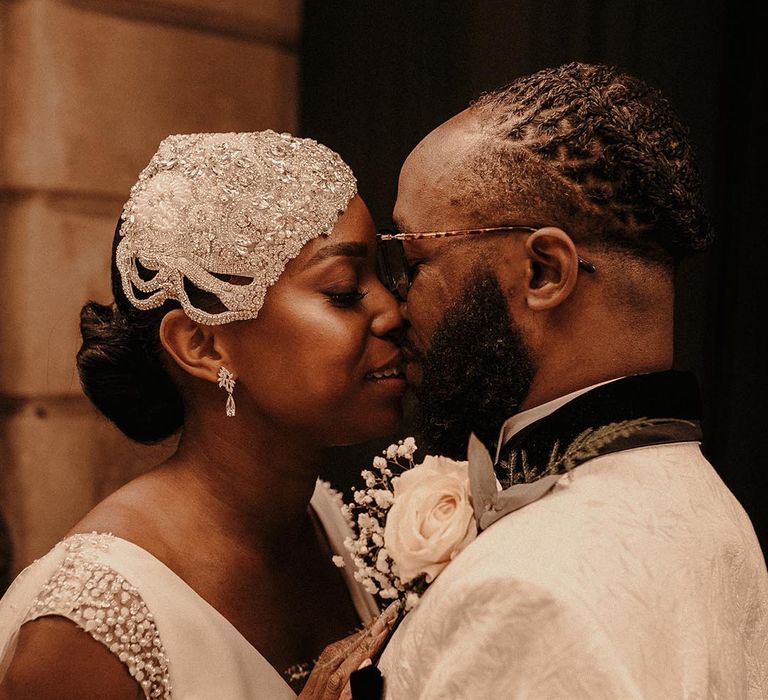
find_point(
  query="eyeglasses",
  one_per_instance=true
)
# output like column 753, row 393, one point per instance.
column 397, row 274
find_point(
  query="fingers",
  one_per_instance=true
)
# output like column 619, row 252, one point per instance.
column 366, row 647
column 330, row 676
column 385, row 620
column 346, row 694
column 361, row 656
column 334, row 654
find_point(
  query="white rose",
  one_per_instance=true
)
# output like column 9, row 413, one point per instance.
column 432, row 519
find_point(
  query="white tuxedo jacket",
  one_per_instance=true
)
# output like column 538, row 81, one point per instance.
column 638, row 576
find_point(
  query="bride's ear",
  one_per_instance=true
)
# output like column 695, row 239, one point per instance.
column 194, row 347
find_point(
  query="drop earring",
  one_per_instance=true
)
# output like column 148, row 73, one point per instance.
column 227, row 382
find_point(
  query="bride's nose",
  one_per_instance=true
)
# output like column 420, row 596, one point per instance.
column 388, row 317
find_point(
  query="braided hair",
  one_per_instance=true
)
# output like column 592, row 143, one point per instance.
column 619, row 155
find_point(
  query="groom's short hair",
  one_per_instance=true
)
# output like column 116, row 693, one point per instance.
column 598, row 153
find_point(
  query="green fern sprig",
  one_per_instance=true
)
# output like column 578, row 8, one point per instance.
column 590, row 442
column 586, row 445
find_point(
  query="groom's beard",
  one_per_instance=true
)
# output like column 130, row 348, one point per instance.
column 476, row 372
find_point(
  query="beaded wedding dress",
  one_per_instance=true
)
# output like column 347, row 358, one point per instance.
column 171, row 640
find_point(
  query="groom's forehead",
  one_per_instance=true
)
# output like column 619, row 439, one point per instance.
column 444, row 204
column 437, row 158
column 439, row 188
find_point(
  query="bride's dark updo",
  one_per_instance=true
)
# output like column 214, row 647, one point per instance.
column 121, row 367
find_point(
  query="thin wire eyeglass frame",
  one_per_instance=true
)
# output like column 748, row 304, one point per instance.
column 400, row 284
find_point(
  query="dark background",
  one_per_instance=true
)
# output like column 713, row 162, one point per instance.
column 378, row 76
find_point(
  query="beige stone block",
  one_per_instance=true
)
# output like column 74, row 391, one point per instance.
column 273, row 20
column 282, row 14
column 59, row 459
column 56, row 256
column 89, row 95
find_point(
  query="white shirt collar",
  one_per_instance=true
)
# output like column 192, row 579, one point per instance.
column 523, row 419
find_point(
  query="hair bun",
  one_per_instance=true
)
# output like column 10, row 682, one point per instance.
column 124, row 377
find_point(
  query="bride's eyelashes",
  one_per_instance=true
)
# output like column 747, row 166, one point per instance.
column 346, row 299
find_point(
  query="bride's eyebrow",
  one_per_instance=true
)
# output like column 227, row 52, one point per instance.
column 352, row 250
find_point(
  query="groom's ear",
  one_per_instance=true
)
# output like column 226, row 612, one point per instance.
column 194, row 347
column 553, row 266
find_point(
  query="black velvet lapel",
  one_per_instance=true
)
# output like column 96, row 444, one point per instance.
column 641, row 410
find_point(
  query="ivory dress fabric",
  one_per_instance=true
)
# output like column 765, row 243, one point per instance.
column 637, row 576
column 173, row 642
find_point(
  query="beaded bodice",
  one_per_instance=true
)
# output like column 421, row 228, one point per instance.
column 90, row 593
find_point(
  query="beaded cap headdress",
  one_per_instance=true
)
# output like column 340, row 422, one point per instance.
column 211, row 206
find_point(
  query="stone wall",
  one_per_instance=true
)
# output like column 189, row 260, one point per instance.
column 87, row 90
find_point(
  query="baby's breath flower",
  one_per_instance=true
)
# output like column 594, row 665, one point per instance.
column 366, row 515
column 381, row 562
column 411, row 599
column 383, row 498
column 338, row 561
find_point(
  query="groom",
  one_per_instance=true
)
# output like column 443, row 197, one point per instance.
column 541, row 229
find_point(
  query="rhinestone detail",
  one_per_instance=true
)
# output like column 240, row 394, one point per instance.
column 240, row 204
column 109, row 608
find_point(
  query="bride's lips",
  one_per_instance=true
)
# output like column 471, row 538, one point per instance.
column 389, row 375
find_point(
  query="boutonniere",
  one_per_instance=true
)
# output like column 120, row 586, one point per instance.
column 409, row 522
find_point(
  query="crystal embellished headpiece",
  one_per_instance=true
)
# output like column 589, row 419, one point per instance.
column 212, row 206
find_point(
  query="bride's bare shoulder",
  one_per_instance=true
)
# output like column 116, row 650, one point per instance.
column 55, row 659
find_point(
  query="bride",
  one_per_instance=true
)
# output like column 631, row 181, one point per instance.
column 249, row 317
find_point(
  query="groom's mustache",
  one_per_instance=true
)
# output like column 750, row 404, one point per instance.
column 404, row 342
column 413, row 359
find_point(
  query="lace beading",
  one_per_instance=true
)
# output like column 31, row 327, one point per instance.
column 100, row 601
